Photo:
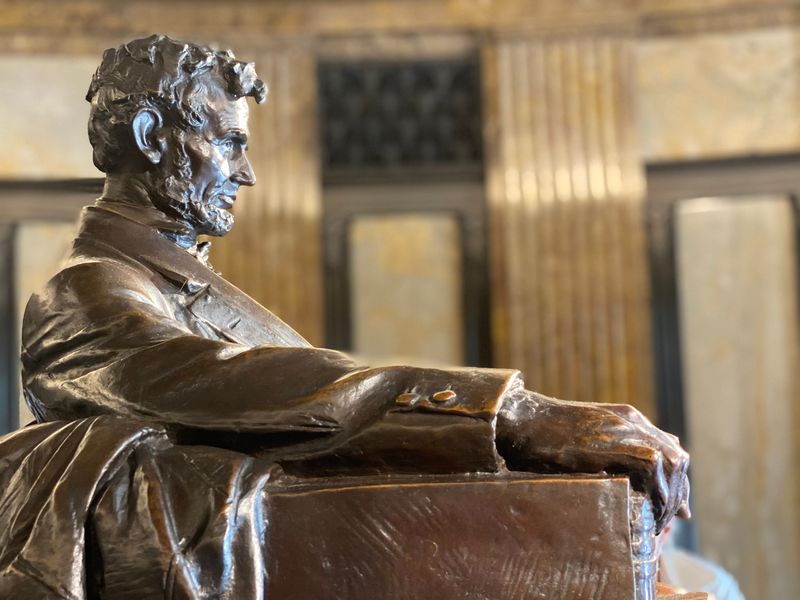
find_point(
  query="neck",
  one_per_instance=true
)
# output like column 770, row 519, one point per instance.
column 136, row 189
column 129, row 188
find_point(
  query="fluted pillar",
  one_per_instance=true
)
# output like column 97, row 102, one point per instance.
column 570, row 294
column 273, row 252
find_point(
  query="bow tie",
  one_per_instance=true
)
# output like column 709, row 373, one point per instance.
column 200, row 252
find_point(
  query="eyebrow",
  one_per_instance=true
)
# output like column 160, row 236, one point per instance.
column 237, row 133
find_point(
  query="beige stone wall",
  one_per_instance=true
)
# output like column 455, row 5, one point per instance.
column 43, row 116
column 741, row 349
column 719, row 94
column 405, row 273
column 708, row 95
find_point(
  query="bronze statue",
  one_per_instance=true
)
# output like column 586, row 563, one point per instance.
column 139, row 355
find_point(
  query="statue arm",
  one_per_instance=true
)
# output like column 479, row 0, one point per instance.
column 113, row 346
column 119, row 350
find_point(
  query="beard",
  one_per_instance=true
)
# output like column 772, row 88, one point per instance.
column 181, row 200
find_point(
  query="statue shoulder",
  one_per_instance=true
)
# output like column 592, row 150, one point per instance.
column 86, row 285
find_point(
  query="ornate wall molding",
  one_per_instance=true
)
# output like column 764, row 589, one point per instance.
column 400, row 46
column 565, row 192
column 723, row 19
column 315, row 17
column 78, row 25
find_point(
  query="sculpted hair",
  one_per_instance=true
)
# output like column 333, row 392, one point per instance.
column 164, row 74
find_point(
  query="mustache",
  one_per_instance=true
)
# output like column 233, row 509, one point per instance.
column 227, row 188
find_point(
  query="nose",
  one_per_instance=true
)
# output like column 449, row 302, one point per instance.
column 243, row 175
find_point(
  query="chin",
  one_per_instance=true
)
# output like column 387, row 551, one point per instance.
column 215, row 222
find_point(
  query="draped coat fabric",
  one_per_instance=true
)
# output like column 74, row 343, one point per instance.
column 167, row 399
column 106, row 507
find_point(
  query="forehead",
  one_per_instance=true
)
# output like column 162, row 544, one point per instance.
column 224, row 112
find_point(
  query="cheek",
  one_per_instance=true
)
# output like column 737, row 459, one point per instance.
column 209, row 164
column 222, row 166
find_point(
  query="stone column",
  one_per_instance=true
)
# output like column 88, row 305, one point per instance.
column 570, row 292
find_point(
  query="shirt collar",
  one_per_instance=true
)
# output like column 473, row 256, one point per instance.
column 171, row 228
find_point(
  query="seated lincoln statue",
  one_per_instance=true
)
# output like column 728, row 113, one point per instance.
column 166, row 398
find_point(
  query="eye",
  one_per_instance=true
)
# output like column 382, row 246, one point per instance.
column 227, row 146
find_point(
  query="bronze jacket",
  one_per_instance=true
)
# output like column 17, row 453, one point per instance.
column 134, row 325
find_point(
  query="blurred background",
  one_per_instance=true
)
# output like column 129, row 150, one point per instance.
column 601, row 193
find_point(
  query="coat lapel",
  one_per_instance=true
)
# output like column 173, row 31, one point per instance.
column 209, row 297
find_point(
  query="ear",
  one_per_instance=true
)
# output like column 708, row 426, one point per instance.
column 146, row 126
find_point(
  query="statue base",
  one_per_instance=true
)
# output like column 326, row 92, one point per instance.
column 487, row 536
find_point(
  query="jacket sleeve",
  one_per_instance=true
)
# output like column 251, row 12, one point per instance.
column 102, row 339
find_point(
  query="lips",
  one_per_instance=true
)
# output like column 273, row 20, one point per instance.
column 225, row 202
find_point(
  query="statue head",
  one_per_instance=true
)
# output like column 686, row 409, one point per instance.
column 172, row 116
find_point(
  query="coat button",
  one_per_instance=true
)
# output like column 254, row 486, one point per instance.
column 406, row 399
column 443, row 396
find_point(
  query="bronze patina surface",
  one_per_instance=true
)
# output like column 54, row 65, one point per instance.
column 168, row 398
column 546, row 537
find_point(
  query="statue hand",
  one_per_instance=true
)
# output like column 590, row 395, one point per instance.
column 536, row 433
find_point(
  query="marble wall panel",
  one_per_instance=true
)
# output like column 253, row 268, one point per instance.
column 740, row 334
column 43, row 115
column 406, row 288
column 719, row 94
